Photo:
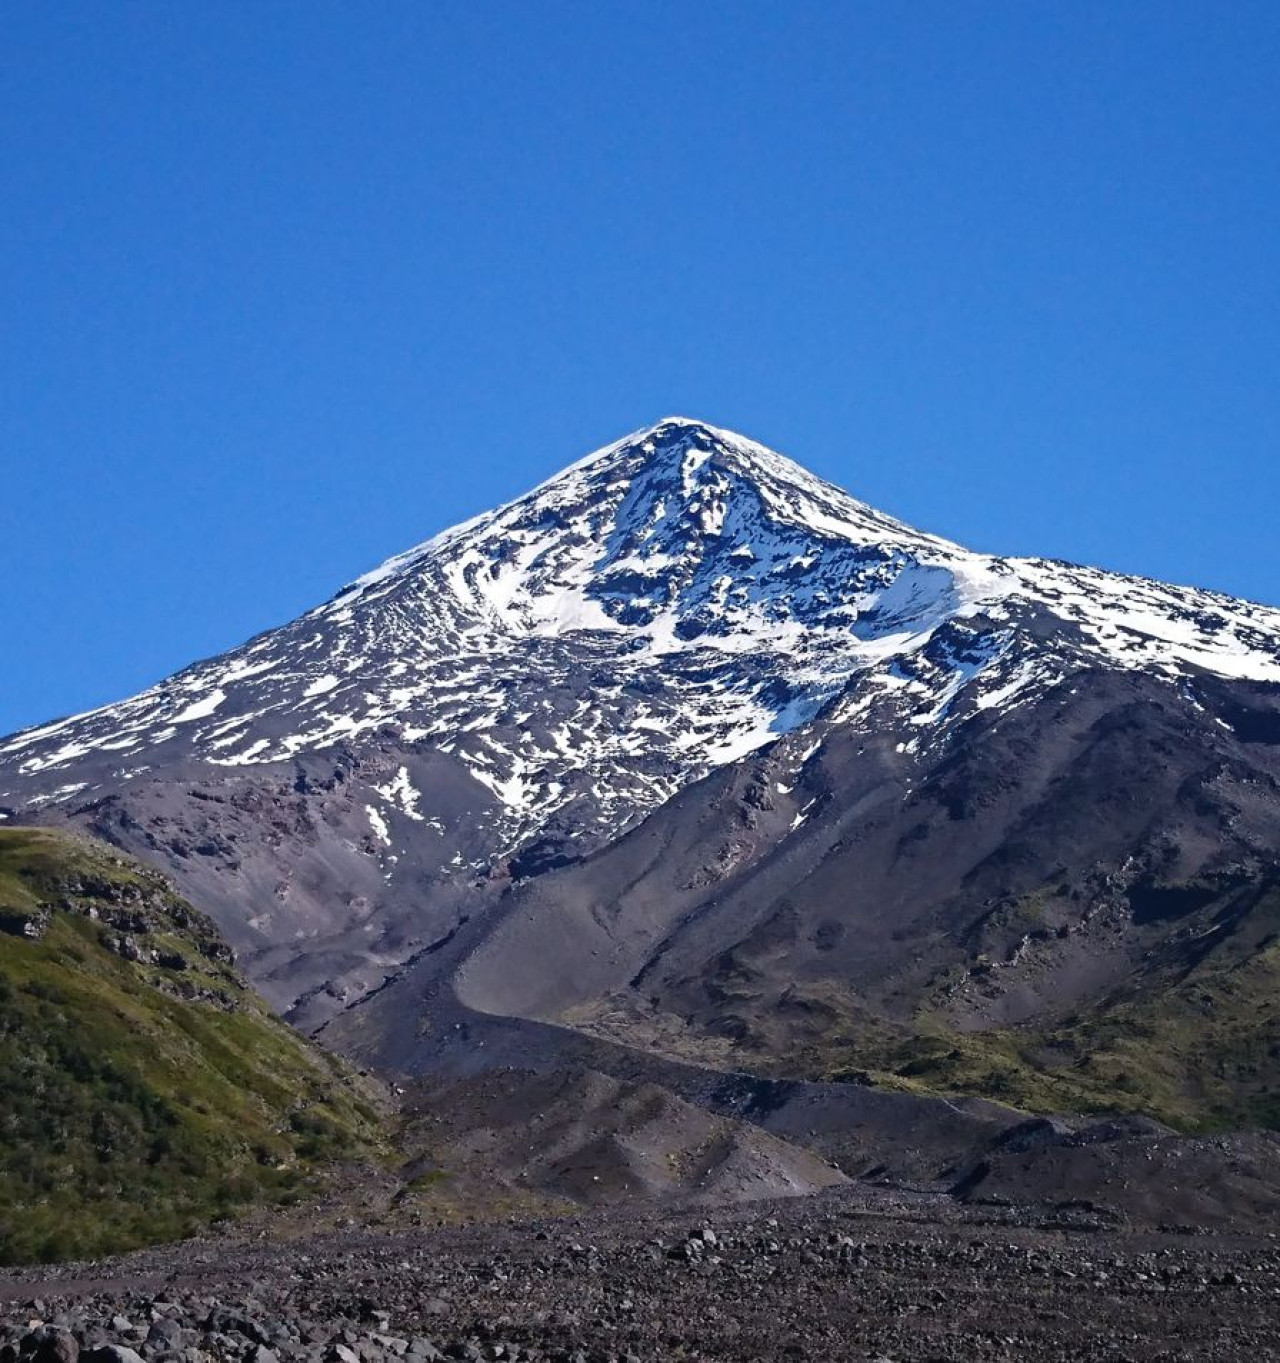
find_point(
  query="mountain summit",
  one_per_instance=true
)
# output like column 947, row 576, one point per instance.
column 760, row 590
column 526, row 689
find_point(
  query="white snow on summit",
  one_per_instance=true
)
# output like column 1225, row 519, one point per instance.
column 665, row 605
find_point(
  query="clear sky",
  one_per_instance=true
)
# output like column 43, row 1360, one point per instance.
column 289, row 287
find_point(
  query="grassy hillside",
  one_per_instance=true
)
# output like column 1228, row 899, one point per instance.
column 1193, row 1040
column 145, row 1090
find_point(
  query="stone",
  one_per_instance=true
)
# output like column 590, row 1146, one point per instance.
column 111, row 1353
column 165, row 1334
column 52, row 1345
column 49, row 1344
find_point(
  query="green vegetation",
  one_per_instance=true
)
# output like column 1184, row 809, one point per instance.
column 1197, row 1047
column 145, row 1091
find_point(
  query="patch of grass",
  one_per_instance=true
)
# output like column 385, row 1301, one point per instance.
column 128, row 1113
column 424, row 1183
column 1194, row 1043
column 38, row 864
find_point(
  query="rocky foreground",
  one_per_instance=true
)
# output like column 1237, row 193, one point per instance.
column 852, row 1274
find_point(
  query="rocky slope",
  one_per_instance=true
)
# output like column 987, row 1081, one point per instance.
column 689, row 749
column 1074, row 905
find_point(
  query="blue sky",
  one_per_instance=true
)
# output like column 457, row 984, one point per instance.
column 289, row 287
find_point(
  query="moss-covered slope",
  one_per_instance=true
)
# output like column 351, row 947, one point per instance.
column 1191, row 1036
column 145, row 1090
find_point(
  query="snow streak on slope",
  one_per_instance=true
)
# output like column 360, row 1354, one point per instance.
column 663, row 606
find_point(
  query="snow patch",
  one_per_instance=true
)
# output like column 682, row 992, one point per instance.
column 378, row 824
column 401, row 792
column 321, row 686
column 202, row 708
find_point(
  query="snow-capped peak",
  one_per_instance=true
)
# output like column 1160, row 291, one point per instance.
column 678, row 528
column 666, row 604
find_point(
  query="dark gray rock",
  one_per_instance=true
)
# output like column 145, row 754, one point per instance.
column 51, row 1345
column 111, row 1353
column 164, row 1333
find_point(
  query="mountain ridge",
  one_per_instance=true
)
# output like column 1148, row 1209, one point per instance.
column 619, row 599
